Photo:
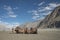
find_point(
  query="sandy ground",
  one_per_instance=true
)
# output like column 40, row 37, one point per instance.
column 43, row 34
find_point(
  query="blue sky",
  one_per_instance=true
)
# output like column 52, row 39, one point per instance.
column 22, row 11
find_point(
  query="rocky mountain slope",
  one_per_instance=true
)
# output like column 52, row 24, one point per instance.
column 52, row 20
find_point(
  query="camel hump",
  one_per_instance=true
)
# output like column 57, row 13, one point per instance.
column 26, row 30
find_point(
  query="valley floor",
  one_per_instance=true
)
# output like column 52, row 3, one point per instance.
column 43, row 34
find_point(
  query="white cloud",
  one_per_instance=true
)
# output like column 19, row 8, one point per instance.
column 48, row 8
column 6, row 25
column 15, row 8
column 10, row 11
column 35, row 14
column 35, row 17
column 54, row 4
column 41, row 3
column 13, row 16
column 8, row 8
column 44, row 10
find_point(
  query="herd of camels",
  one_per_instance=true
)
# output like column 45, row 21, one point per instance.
column 19, row 30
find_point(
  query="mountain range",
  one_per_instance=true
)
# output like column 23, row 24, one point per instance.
column 52, row 20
